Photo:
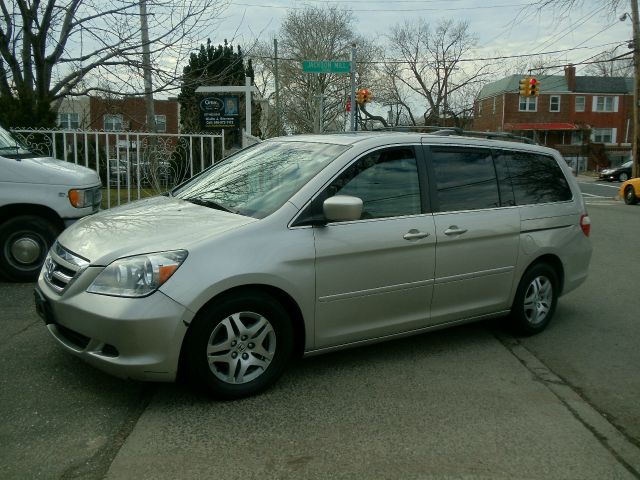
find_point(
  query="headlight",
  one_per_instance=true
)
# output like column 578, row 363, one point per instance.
column 137, row 276
column 85, row 198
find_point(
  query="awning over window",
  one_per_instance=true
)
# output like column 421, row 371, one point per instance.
column 540, row 126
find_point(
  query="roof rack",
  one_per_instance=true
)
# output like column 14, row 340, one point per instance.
column 446, row 131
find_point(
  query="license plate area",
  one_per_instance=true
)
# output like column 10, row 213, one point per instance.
column 43, row 309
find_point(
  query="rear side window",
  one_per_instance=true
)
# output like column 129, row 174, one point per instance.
column 465, row 179
column 536, row 178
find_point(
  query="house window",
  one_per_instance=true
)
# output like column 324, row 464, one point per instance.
column 112, row 123
column 605, row 104
column 580, row 104
column 480, row 108
column 576, row 137
column 554, row 103
column 69, row 121
column 161, row 123
column 494, row 106
column 528, row 104
column 603, row 135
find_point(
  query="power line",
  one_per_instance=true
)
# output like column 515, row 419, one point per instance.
column 368, row 10
column 480, row 59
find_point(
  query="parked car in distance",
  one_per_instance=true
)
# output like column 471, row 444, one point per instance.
column 310, row 244
column 621, row 173
column 630, row 191
column 39, row 197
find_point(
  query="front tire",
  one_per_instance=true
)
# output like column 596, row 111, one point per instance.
column 238, row 345
column 536, row 299
column 24, row 243
column 630, row 196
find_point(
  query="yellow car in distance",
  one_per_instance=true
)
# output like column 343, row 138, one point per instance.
column 630, row 191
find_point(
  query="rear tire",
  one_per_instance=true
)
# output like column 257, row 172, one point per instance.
column 238, row 345
column 630, row 196
column 24, row 243
column 623, row 177
column 536, row 299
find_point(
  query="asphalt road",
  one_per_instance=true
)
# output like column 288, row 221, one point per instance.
column 468, row 402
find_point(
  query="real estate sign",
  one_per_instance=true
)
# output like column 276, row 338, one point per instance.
column 219, row 112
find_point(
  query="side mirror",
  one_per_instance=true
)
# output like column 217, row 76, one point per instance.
column 342, row 208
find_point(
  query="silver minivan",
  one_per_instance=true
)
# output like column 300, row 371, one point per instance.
column 307, row 244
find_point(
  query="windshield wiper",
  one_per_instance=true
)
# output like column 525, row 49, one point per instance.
column 207, row 203
column 10, row 147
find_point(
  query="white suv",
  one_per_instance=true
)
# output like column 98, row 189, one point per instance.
column 310, row 244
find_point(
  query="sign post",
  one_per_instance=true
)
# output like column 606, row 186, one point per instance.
column 329, row 66
column 247, row 89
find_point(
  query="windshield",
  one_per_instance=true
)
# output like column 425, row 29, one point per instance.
column 9, row 145
column 259, row 180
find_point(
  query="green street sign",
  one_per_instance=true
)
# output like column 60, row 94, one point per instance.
column 326, row 66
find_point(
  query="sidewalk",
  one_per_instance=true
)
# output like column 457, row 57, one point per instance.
column 452, row 404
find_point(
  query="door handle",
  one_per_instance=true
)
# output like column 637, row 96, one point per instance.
column 414, row 234
column 454, row 230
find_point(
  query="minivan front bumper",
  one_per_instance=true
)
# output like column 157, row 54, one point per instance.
column 136, row 338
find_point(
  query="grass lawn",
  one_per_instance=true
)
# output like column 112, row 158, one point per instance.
column 144, row 193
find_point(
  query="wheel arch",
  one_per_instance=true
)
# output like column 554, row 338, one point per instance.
column 10, row 211
column 282, row 297
column 554, row 262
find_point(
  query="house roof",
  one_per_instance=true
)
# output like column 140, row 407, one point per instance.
column 558, row 83
column 604, row 84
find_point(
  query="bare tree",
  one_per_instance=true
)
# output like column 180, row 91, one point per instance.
column 312, row 34
column 432, row 67
column 609, row 64
column 49, row 49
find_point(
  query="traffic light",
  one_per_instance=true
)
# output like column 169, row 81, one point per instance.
column 524, row 87
column 534, row 87
column 363, row 95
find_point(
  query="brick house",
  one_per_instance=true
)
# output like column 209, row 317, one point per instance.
column 126, row 114
column 588, row 119
column 130, row 114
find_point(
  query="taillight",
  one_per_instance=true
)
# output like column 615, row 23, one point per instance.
column 585, row 224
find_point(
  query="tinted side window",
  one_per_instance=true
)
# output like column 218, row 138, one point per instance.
column 465, row 179
column 507, row 198
column 536, row 178
column 386, row 181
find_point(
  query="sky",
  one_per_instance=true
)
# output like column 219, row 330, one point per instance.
column 503, row 27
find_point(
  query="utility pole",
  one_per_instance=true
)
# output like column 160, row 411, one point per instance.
column 146, row 65
column 353, row 88
column 635, row 19
column 275, row 71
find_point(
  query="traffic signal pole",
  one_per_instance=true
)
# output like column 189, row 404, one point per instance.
column 353, row 88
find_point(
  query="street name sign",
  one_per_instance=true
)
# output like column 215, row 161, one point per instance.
column 326, row 66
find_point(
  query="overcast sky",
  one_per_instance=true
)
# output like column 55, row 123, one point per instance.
column 503, row 27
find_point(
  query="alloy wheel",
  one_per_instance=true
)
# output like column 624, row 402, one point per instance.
column 538, row 300
column 241, row 347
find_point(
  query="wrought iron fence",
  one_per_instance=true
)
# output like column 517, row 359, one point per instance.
column 130, row 164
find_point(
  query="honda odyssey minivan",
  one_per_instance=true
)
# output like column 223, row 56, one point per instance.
column 307, row 244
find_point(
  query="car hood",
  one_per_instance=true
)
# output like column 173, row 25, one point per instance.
column 150, row 225
column 49, row 171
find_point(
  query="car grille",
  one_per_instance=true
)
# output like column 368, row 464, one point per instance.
column 61, row 267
